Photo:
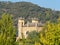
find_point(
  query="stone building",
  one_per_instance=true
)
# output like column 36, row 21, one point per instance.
column 28, row 27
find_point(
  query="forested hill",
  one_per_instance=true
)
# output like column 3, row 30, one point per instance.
column 27, row 10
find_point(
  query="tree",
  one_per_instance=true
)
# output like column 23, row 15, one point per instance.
column 33, row 36
column 7, row 30
column 51, row 35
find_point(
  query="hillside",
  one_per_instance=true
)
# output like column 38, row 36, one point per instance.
column 28, row 10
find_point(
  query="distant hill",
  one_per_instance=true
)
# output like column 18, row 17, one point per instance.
column 28, row 10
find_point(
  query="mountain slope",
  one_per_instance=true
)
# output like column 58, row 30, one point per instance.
column 28, row 10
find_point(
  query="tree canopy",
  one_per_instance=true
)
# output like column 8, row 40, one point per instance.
column 7, row 30
column 51, row 35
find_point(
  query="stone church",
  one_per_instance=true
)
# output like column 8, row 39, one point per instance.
column 23, row 27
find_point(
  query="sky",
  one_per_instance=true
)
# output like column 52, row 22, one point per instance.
column 53, row 4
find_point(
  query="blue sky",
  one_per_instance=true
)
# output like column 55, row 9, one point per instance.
column 53, row 4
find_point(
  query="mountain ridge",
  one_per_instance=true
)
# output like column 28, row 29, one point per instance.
column 28, row 10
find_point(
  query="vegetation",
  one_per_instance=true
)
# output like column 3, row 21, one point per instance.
column 7, row 31
column 50, row 35
column 28, row 10
column 32, row 39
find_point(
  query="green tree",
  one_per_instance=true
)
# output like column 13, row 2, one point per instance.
column 51, row 35
column 33, row 36
column 7, row 30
